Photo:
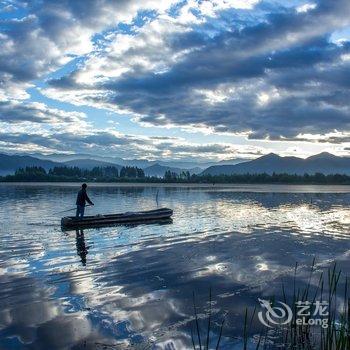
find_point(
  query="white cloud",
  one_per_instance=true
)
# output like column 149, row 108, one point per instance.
column 306, row 7
column 210, row 8
column 244, row 81
column 34, row 117
column 50, row 34
column 209, row 68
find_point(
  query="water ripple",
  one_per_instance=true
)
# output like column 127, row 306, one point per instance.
column 132, row 286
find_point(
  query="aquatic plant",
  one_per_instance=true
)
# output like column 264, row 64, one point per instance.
column 331, row 332
column 196, row 332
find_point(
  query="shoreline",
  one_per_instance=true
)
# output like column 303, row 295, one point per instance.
column 265, row 188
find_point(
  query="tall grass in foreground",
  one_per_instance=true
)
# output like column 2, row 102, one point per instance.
column 324, row 287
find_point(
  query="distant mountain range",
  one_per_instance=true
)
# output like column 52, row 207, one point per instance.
column 159, row 170
column 87, row 164
column 152, row 170
column 141, row 163
column 325, row 163
column 9, row 164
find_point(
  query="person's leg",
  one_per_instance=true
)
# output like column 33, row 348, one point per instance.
column 82, row 209
column 77, row 212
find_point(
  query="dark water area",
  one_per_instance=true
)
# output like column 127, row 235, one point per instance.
column 131, row 287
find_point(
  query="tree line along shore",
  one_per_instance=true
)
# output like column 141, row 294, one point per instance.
column 135, row 174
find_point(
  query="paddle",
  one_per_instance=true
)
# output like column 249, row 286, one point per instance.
column 64, row 211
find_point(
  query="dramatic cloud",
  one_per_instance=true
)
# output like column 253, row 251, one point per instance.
column 15, row 112
column 278, row 78
column 265, row 72
column 110, row 142
column 47, row 34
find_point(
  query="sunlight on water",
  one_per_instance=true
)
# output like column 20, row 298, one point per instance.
column 132, row 286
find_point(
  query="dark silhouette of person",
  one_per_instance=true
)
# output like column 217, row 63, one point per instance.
column 82, row 198
column 82, row 249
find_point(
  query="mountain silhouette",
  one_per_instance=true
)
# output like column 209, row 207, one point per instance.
column 325, row 163
column 159, row 170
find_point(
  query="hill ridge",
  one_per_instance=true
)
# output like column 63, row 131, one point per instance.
column 324, row 162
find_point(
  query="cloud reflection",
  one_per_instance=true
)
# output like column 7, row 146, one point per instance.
column 132, row 286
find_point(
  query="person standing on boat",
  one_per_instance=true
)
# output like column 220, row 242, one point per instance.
column 82, row 198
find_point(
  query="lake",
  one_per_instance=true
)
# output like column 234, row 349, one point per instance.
column 131, row 287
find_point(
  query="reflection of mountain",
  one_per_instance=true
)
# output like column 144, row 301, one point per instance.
column 325, row 163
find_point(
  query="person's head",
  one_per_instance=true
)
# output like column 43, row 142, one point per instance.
column 84, row 186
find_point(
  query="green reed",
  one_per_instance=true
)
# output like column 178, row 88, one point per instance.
column 195, row 330
column 308, row 336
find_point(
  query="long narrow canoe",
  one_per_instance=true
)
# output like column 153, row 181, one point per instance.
column 114, row 219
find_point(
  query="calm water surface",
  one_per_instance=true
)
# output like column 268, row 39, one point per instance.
column 131, row 287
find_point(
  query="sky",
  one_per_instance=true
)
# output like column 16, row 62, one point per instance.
column 175, row 79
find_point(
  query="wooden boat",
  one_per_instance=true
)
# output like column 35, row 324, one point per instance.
column 137, row 217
